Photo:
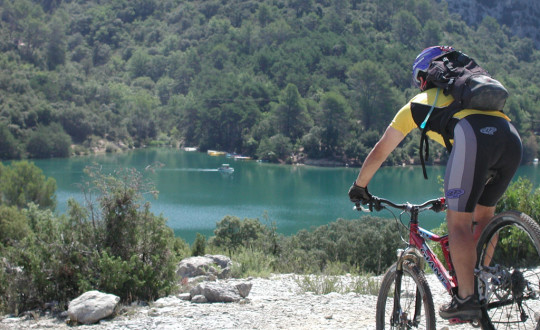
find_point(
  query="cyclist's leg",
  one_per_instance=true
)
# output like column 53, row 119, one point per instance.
column 482, row 216
column 462, row 190
column 462, row 249
column 463, row 241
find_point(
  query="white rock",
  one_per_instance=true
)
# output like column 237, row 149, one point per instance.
column 184, row 296
column 92, row 306
column 166, row 301
column 200, row 299
column 216, row 292
column 205, row 266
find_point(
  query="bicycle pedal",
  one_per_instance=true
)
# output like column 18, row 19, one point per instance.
column 473, row 323
column 458, row 321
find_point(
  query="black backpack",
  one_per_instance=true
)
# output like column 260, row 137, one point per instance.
column 472, row 88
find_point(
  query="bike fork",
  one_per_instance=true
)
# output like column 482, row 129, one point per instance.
column 398, row 317
column 396, row 313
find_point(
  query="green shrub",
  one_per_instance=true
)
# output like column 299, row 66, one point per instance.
column 366, row 245
column 199, row 246
column 132, row 279
column 300, row 261
column 9, row 147
column 80, row 150
column 23, row 182
column 13, row 225
column 37, row 265
column 275, row 148
column 520, row 196
column 4, row 280
column 232, row 233
column 365, row 284
column 117, row 246
column 49, row 141
column 129, row 235
column 436, row 247
column 320, row 284
column 324, row 284
column 249, row 262
column 181, row 248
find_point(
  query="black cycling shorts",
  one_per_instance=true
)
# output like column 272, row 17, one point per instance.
column 486, row 154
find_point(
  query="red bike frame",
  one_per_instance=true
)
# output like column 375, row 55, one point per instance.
column 446, row 276
column 417, row 240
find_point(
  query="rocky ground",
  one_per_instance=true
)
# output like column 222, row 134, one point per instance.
column 274, row 303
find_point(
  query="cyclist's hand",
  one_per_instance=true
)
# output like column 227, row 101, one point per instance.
column 359, row 194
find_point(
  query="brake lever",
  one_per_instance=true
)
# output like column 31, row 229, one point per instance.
column 440, row 205
column 359, row 207
column 376, row 204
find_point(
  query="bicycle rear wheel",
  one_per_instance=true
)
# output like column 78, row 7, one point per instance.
column 412, row 306
column 508, row 272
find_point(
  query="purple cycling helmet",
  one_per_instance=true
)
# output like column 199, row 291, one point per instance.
column 422, row 61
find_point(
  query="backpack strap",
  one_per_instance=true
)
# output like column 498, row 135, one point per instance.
column 424, row 142
column 423, row 138
column 447, row 129
column 423, row 125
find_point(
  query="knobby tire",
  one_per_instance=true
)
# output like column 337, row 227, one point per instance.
column 415, row 299
column 512, row 241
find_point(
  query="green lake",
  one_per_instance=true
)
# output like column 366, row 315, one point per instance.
column 194, row 195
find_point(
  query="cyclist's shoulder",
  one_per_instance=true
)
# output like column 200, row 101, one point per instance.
column 431, row 97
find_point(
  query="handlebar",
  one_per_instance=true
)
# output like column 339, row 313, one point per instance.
column 377, row 204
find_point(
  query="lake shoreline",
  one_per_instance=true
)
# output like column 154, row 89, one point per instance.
column 112, row 148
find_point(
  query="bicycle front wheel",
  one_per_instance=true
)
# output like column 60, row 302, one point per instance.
column 405, row 300
column 508, row 272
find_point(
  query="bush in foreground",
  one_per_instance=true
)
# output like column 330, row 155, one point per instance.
column 114, row 244
column 365, row 245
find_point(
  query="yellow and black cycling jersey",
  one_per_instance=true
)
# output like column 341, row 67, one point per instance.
column 404, row 121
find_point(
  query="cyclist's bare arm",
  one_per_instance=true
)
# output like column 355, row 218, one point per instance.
column 388, row 142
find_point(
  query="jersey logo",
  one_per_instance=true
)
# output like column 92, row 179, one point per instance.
column 454, row 193
column 488, row 130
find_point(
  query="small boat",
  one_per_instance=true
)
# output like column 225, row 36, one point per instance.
column 239, row 157
column 225, row 168
column 190, row 148
column 216, row 153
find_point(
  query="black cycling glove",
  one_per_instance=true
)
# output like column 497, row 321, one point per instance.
column 359, row 194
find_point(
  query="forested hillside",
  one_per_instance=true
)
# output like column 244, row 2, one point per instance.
column 278, row 80
column 520, row 16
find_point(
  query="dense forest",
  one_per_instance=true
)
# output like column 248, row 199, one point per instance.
column 281, row 80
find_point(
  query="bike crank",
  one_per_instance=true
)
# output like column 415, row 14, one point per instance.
column 474, row 324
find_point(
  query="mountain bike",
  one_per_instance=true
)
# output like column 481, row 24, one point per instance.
column 507, row 272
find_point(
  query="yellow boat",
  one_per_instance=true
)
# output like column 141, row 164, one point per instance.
column 216, row 153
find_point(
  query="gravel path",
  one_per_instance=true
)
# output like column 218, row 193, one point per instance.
column 273, row 303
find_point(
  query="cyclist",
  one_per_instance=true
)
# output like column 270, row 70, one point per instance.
column 483, row 142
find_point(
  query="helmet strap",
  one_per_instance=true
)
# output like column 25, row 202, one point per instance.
column 423, row 83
